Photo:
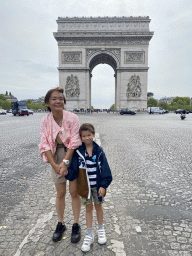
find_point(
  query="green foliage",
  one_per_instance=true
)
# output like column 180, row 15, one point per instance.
column 181, row 100
column 2, row 97
column 36, row 106
column 28, row 102
column 152, row 102
column 112, row 107
column 163, row 105
column 92, row 107
column 4, row 103
column 180, row 103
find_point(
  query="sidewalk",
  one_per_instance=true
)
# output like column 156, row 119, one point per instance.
column 28, row 229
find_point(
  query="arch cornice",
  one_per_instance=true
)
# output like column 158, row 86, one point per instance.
column 115, row 53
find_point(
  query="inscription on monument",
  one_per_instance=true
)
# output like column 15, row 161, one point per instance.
column 72, row 88
column 134, row 57
column 104, row 41
column 134, row 87
column 71, row 57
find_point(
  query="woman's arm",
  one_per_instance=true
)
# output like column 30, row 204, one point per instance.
column 63, row 166
column 52, row 162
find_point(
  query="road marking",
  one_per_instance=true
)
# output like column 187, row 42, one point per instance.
column 35, row 237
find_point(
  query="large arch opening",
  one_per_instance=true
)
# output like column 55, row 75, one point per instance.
column 102, row 87
column 102, row 81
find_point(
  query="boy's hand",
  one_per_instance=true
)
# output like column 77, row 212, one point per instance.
column 63, row 169
column 101, row 192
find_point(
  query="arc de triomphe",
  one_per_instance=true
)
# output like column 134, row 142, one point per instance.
column 121, row 42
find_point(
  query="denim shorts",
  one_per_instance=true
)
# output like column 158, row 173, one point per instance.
column 94, row 198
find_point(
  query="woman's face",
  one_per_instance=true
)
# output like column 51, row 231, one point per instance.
column 56, row 101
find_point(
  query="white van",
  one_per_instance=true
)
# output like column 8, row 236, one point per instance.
column 155, row 110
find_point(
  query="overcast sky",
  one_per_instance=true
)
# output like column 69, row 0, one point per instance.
column 29, row 52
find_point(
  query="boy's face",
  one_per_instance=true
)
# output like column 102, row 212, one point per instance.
column 87, row 137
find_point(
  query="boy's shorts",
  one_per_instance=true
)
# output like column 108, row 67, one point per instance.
column 94, row 198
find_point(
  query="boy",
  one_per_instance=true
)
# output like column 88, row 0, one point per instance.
column 91, row 159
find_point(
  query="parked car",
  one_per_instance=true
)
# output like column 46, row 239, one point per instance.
column 30, row 112
column 127, row 111
column 9, row 111
column 2, row 112
column 179, row 111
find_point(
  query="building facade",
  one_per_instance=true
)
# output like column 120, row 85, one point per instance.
column 121, row 42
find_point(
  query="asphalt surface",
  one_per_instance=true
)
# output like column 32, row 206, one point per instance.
column 151, row 192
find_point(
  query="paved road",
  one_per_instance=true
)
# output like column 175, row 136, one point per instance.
column 150, row 158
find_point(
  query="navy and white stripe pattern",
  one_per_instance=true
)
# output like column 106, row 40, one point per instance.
column 91, row 169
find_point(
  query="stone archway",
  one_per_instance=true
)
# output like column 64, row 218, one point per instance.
column 102, row 57
column 120, row 42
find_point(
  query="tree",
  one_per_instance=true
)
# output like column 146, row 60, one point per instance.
column 150, row 94
column 2, row 97
column 152, row 102
column 6, row 104
column 112, row 107
column 183, row 99
column 163, row 105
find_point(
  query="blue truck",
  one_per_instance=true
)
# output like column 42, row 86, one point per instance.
column 19, row 108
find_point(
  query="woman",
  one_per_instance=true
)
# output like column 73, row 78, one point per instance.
column 59, row 137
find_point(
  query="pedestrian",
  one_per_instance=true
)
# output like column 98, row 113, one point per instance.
column 59, row 137
column 90, row 165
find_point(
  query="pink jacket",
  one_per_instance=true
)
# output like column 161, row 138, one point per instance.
column 69, row 133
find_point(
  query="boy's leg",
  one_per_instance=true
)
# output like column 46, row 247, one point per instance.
column 89, row 239
column 99, row 212
column 89, row 215
column 76, row 207
column 102, row 239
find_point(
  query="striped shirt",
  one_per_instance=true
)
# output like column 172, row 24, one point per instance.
column 91, row 169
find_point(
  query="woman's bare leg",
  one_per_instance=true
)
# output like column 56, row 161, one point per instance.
column 60, row 200
column 76, row 200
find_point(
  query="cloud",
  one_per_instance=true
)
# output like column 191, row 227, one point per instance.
column 29, row 52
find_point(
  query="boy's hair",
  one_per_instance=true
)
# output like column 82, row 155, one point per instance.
column 87, row 127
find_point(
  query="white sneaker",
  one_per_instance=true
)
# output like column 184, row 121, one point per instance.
column 86, row 246
column 102, row 239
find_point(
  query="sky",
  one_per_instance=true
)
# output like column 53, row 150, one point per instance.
column 29, row 51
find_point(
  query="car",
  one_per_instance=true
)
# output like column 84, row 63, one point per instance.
column 9, row 111
column 2, row 112
column 179, row 111
column 127, row 111
column 30, row 112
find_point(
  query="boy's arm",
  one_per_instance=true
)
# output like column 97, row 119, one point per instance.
column 73, row 169
column 106, row 175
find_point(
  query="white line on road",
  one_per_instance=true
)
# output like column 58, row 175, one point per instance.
column 40, row 225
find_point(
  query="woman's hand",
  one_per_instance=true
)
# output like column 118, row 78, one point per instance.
column 63, row 169
column 56, row 168
column 102, row 192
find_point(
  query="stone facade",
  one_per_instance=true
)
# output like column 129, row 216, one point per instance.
column 121, row 42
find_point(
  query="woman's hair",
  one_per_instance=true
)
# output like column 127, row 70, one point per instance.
column 48, row 95
column 87, row 127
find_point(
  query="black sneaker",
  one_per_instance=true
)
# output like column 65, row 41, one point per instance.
column 57, row 235
column 76, row 233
